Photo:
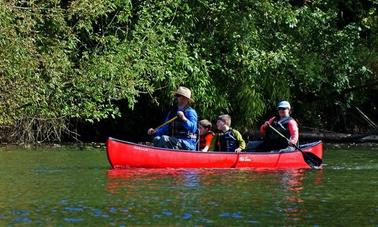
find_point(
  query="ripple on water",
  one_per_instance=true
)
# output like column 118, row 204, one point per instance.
column 231, row 215
column 47, row 170
column 112, row 210
column 186, row 216
column 74, row 209
column 361, row 167
column 22, row 216
column 73, row 220
column 22, row 220
column 205, row 220
column 167, row 213
column 125, row 210
column 97, row 212
column 63, row 202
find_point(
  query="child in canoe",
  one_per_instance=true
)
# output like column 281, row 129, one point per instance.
column 229, row 139
column 206, row 135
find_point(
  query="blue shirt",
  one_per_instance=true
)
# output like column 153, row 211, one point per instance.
column 190, row 125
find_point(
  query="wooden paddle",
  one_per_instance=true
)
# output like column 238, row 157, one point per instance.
column 311, row 159
column 167, row 122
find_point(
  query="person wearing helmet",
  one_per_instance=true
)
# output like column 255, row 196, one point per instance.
column 283, row 123
column 180, row 133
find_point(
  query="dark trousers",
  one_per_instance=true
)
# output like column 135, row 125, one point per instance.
column 169, row 142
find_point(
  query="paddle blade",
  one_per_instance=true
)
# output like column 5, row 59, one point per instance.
column 312, row 160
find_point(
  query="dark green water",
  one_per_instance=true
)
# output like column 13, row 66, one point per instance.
column 64, row 187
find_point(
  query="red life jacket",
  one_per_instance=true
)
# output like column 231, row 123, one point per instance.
column 203, row 139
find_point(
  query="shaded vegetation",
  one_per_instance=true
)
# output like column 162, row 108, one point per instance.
column 67, row 65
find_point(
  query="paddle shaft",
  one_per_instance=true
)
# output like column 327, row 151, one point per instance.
column 167, row 122
column 279, row 133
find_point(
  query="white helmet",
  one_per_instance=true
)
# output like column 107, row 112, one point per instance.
column 284, row 104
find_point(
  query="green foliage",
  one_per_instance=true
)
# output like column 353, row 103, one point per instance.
column 64, row 60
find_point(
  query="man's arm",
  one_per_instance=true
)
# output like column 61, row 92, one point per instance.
column 191, row 120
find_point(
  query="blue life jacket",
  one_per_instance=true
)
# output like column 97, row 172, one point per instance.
column 226, row 141
column 176, row 128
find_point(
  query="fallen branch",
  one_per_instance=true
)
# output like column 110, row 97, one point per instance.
column 340, row 137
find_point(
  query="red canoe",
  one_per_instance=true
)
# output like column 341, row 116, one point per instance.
column 123, row 154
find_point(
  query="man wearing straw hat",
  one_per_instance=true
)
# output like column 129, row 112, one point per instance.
column 180, row 127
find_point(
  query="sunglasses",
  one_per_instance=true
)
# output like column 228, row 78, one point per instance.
column 281, row 108
column 178, row 95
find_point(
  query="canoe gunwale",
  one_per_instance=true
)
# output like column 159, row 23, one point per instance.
column 159, row 149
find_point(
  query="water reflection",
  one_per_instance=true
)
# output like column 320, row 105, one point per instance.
column 291, row 180
column 191, row 179
column 293, row 185
column 118, row 179
column 221, row 190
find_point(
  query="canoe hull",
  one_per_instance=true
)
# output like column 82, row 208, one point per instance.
column 123, row 154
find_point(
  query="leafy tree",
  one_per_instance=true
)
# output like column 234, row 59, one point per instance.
column 77, row 59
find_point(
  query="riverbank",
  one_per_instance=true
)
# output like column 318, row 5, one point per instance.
column 94, row 145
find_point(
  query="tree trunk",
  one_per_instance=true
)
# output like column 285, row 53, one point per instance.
column 328, row 136
column 339, row 137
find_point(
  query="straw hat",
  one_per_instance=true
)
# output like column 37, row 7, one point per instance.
column 184, row 91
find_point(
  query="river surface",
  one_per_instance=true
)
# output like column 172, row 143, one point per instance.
column 72, row 186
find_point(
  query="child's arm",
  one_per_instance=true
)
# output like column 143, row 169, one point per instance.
column 241, row 141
